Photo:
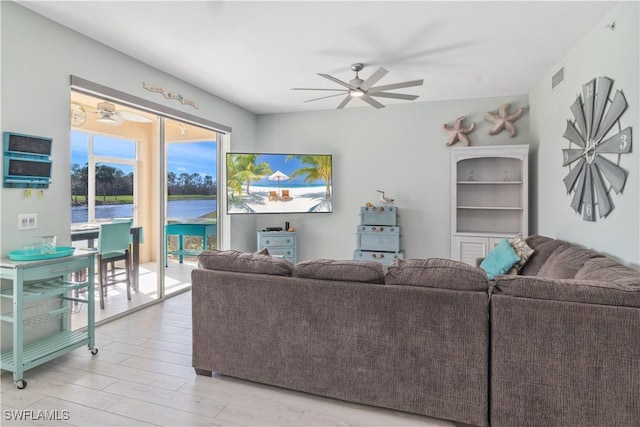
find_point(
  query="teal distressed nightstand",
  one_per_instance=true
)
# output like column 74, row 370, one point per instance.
column 279, row 243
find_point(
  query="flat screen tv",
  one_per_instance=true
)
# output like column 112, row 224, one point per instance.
column 259, row 183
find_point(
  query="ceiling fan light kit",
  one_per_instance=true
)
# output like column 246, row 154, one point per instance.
column 109, row 115
column 106, row 106
column 364, row 89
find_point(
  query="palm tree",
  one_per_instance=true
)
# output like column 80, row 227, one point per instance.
column 242, row 168
column 319, row 169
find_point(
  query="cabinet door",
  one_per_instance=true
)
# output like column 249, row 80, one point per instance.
column 468, row 249
column 495, row 241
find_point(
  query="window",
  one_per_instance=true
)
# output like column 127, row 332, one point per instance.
column 107, row 164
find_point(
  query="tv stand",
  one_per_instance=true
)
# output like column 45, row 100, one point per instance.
column 279, row 243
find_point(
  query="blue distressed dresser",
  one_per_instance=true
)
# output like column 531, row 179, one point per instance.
column 279, row 243
column 378, row 235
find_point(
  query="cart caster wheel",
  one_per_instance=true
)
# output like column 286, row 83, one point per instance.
column 21, row 384
column 93, row 351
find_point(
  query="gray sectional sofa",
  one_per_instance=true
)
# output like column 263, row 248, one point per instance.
column 557, row 345
column 406, row 340
column 565, row 341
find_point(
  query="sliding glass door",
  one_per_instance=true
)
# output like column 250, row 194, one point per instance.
column 162, row 173
column 191, row 154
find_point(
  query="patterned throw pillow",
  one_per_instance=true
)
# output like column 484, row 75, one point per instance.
column 523, row 250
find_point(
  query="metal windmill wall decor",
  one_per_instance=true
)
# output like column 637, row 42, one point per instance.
column 595, row 114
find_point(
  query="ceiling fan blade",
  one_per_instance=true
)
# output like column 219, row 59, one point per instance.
column 395, row 86
column 110, row 119
column 313, row 88
column 340, row 82
column 322, row 97
column 394, row 95
column 369, row 100
column 133, row 117
column 345, row 101
column 373, row 79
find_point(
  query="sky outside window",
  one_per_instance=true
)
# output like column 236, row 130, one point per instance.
column 114, row 147
column 191, row 157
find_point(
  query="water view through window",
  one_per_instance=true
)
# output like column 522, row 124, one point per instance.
column 191, row 172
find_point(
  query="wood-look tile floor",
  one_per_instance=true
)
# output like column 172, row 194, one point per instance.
column 142, row 376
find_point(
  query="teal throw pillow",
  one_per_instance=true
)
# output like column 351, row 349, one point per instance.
column 500, row 259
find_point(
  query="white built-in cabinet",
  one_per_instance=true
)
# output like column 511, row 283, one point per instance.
column 489, row 198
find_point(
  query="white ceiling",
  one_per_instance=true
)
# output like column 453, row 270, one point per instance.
column 253, row 52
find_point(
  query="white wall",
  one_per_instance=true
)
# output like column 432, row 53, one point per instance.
column 399, row 149
column 38, row 56
column 602, row 52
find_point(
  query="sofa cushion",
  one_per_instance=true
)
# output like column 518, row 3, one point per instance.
column 565, row 262
column 609, row 270
column 543, row 247
column 244, row 262
column 573, row 290
column 340, row 270
column 500, row 259
column 436, row 273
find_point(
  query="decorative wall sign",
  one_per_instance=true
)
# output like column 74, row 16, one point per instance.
column 503, row 120
column 458, row 133
column 169, row 95
column 592, row 171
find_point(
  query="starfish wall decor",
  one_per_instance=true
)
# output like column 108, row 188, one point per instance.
column 503, row 120
column 458, row 133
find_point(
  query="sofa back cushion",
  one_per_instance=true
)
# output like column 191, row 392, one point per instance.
column 543, row 247
column 244, row 262
column 437, row 273
column 565, row 262
column 610, row 271
column 340, row 270
column 571, row 290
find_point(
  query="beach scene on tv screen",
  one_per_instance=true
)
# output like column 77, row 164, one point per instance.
column 278, row 183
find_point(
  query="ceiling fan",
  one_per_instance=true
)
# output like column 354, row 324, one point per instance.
column 109, row 115
column 364, row 89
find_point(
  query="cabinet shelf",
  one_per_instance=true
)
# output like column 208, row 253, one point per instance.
column 489, row 182
column 500, row 208
column 46, row 348
column 44, row 290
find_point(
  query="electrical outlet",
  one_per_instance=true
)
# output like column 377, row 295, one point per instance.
column 27, row 221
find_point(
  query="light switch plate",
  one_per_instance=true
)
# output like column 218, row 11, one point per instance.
column 27, row 221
